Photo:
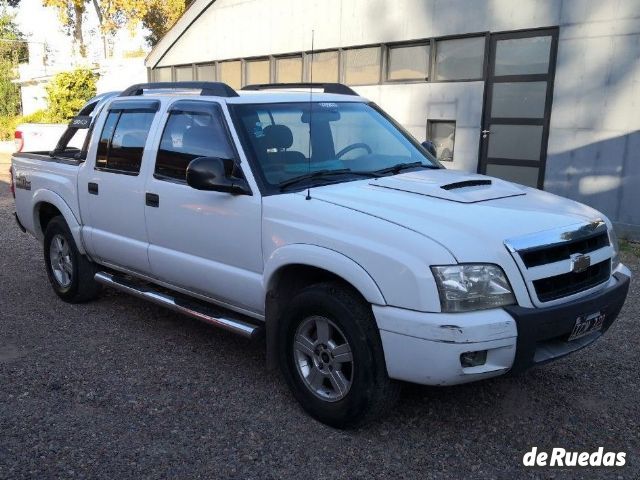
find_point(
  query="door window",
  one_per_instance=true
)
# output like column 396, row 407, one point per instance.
column 122, row 141
column 192, row 131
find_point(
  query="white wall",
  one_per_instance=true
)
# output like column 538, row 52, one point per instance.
column 246, row 28
column 241, row 28
column 121, row 73
column 594, row 143
column 595, row 122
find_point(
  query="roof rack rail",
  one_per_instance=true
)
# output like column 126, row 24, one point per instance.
column 216, row 89
column 337, row 88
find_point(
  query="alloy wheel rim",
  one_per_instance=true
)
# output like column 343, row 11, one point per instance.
column 323, row 358
column 60, row 258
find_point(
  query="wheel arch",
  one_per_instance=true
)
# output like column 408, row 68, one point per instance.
column 296, row 266
column 46, row 205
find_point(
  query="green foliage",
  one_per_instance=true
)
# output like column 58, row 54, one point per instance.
column 9, row 92
column 8, row 124
column 68, row 92
column 13, row 47
column 12, row 50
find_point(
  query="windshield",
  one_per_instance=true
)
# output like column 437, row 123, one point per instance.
column 331, row 141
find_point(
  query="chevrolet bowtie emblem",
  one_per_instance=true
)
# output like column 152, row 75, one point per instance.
column 580, row 262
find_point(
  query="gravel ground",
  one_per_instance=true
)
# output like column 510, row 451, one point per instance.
column 119, row 388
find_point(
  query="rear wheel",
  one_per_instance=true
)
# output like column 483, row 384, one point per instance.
column 331, row 356
column 70, row 273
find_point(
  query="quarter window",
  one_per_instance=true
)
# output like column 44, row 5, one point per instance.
column 122, row 141
column 191, row 133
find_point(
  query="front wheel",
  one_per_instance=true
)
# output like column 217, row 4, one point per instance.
column 70, row 273
column 331, row 356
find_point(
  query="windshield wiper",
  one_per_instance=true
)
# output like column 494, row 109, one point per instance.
column 324, row 173
column 398, row 167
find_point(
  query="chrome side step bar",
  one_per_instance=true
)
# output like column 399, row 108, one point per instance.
column 194, row 309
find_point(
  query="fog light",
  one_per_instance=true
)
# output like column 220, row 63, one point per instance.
column 473, row 359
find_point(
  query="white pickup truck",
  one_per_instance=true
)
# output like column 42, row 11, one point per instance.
column 305, row 212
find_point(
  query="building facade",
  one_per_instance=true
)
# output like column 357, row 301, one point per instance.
column 542, row 92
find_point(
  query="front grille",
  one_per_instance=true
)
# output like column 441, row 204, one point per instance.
column 552, row 288
column 537, row 256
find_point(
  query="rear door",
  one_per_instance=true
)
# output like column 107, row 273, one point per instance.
column 113, row 186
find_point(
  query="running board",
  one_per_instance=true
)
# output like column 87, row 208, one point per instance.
column 191, row 308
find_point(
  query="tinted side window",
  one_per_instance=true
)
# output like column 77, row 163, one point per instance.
column 188, row 135
column 122, row 141
column 105, row 139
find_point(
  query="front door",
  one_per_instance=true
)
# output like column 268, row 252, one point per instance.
column 517, row 107
column 209, row 243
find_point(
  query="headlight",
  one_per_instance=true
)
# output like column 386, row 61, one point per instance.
column 613, row 239
column 472, row 287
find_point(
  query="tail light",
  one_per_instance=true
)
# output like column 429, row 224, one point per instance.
column 18, row 140
column 12, row 185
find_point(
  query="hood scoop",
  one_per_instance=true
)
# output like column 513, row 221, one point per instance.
column 465, row 183
column 451, row 185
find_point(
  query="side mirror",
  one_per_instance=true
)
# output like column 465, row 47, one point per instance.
column 216, row 175
column 430, row 147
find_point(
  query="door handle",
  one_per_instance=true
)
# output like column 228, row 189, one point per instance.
column 93, row 188
column 152, row 200
column 485, row 133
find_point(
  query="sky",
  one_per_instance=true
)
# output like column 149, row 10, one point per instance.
column 40, row 24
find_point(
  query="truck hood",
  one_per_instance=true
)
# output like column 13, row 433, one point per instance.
column 470, row 215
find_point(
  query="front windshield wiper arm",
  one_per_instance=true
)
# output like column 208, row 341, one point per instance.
column 398, row 167
column 324, row 173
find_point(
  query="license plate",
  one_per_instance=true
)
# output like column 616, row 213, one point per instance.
column 586, row 324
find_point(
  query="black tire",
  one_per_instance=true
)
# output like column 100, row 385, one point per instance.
column 81, row 286
column 371, row 393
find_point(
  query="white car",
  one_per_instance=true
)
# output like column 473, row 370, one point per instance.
column 305, row 212
column 33, row 137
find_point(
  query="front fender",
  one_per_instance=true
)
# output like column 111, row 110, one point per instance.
column 47, row 196
column 325, row 259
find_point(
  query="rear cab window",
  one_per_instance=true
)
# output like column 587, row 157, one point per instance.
column 124, row 136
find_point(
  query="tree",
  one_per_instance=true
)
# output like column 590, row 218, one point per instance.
column 161, row 15
column 13, row 49
column 156, row 15
column 68, row 92
column 70, row 14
